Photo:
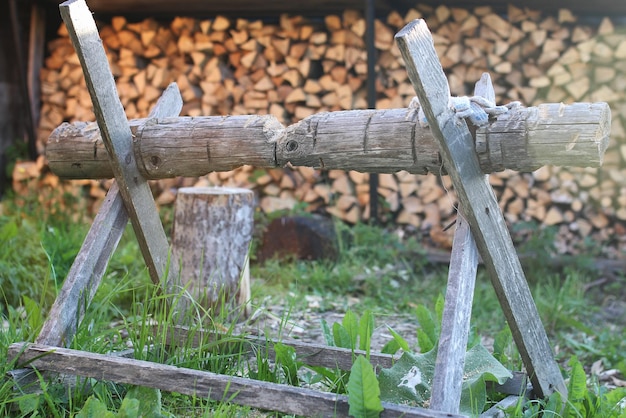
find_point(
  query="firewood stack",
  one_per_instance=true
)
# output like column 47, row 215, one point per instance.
column 296, row 67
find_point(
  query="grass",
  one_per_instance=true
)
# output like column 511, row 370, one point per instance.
column 377, row 272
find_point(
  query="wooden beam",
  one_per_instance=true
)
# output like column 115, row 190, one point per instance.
column 363, row 140
column 480, row 207
column 117, row 136
column 270, row 396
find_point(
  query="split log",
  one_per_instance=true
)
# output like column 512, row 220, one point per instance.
column 383, row 141
column 210, row 240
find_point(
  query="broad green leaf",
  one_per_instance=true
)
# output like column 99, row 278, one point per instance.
column 351, row 324
column 149, row 400
column 363, row 391
column 8, row 231
column 341, row 336
column 366, row 329
column 130, row 409
column 94, row 408
column 480, row 366
column 29, row 403
column 391, row 347
column 409, row 379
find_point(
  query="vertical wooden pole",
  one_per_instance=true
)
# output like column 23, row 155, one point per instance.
column 480, row 208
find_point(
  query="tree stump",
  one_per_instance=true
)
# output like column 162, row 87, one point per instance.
column 210, row 240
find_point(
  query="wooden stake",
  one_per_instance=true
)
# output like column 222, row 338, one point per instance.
column 117, row 136
column 91, row 261
column 480, row 208
column 457, row 311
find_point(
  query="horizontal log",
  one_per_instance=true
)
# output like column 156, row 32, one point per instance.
column 257, row 394
column 384, row 141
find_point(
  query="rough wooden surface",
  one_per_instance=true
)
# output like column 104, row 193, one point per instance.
column 457, row 311
column 91, row 261
column 117, row 136
column 86, row 272
column 480, row 208
column 210, row 241
column 363, row 140
column 257, row 394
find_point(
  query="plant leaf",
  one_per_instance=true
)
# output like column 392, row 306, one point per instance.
column 480, row 366
column 427, row 335
column 130, row 408
column 363, row 390
column 94, row 408
column 149, row 400
column 577, row 389
column 328, row 335
column 351, row 324
column 341, row 336
column 409, row 379
column 366, row 329
column 286, row 358
column 402, row 343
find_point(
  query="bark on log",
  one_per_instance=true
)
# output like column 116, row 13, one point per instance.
column 383, row 141
column 210, row 239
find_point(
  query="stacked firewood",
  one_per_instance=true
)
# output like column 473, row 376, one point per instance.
column 295, row 67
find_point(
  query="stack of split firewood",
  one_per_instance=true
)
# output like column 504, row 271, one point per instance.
column 295, row 67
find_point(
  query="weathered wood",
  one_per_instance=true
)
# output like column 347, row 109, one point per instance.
column 480, row 208
column 86, row 272
column 455, row 324
column 363, row 140
column 90, row 263
column 210, row 242
column 457, row 311
column 117, row 136
column 257, row 394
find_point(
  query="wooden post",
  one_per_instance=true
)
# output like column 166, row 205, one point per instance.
column 210, row 241
column 457, row 311
column 117, row 136
column 480, row 207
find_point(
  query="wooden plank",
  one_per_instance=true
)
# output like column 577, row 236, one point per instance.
column 256, row 394
column 309, row 353
column 480, row 208
column 457, row 311
column 91, row 261
column 117, row 136
column 363, row 140
column 455, row 324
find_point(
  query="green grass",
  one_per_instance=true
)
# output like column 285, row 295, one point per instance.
column 376, row 273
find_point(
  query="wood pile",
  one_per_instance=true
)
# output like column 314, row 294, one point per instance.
column 295, row 67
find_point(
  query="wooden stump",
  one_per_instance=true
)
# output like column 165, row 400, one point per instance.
column 210, row 239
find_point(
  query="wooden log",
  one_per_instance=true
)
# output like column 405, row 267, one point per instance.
column 364, row 140
column 210, row 240
column 481, row 209
column 264, row 395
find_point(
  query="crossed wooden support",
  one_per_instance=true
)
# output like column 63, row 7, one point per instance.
column 481, row 230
